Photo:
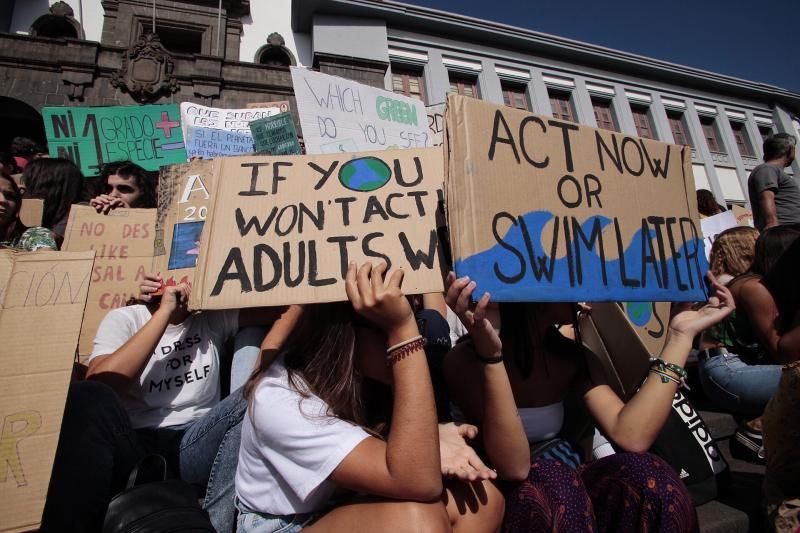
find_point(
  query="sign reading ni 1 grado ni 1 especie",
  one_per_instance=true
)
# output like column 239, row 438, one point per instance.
column 540, row 209
column 148, row 135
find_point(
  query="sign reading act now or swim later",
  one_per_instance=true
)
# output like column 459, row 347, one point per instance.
column 148, row 135
column 283, row 230
column 546, row 210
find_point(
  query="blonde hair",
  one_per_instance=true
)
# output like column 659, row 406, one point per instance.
column 733, row 251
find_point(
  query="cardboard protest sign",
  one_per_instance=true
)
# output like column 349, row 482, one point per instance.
column 148, row 135
column 123, row 241
column 275, row 135
column 31, row 212
column 650, row 321
column 283, row 230
column 744, row 217
column 283, row 105
column 340, row 115
column 215, row 131
column 436, row 123
column 42, row 295
column 184, row 196
column 714, row 225
column 545, row 210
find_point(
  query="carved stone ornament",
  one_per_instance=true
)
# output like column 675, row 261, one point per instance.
column 147, row 70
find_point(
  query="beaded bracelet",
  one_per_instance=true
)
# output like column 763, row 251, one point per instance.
column 394, row 355
column 394, row 347
column 678, row 370
column 665, row 378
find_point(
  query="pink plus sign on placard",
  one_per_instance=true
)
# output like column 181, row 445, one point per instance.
column 166, row 125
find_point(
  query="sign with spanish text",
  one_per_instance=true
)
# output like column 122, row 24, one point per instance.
column 123, row 242
column 541, row 209
column 283, row 230
column 216, row 131
column 341, row 115
column 42, row 296
column 148, row 135
column 275, row 135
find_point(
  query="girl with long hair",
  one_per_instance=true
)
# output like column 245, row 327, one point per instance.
column 59, row 183
column 318, row 454
column 539, row 346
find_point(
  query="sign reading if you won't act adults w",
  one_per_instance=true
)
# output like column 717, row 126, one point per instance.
column 283, row 230
column 541, row 209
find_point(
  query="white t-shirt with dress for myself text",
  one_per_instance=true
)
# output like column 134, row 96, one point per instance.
column 180, row 381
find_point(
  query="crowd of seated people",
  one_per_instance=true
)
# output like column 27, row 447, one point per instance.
column 442, row 412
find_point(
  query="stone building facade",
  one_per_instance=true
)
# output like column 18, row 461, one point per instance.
column 241, row 54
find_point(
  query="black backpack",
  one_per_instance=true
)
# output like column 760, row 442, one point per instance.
column 151, row 503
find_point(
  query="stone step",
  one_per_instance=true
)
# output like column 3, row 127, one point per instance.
column 737, row 508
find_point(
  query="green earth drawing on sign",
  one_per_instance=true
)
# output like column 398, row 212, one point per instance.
column 639, row 312
column 365, row 174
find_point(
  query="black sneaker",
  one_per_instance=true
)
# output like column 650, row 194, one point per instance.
column 748, row 445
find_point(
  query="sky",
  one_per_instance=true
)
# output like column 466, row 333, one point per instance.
column 756, row 41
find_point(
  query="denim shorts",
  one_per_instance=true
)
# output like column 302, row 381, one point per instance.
column 250, row 522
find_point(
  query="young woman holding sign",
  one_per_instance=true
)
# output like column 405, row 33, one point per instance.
column 318, row 454
column 536, row 345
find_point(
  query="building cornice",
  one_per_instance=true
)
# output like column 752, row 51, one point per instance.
column 421, row 19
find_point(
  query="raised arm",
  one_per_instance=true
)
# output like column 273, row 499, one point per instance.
column 634, row 426
column 479, row 385
column 119, row 368
column 406, row 465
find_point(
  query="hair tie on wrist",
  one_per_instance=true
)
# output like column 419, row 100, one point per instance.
column 491, row 360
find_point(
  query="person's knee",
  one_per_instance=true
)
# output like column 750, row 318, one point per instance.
column 475, row 507
column 425, row 517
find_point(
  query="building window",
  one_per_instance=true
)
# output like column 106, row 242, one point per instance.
column 712, row 135
column 59, row 23
column 764, row 131
column 642, row 120
column 177, row 40
column 275, row 53
column 408, row 82
column 742, row 139
column 514, row 96
column 561, row 105
column 603, row 114
column 680, row 133
column 464, row 86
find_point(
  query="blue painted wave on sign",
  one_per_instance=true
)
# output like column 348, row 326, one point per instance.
column 508, row 273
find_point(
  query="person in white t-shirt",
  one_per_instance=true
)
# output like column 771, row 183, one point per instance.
column 153, row 387
column 312, row 457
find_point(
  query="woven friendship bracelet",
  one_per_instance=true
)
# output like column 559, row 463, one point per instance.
column 405, row 349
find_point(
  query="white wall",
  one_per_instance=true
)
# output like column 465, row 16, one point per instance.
column 27, row 11
column 268, row 17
